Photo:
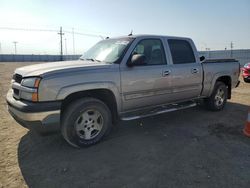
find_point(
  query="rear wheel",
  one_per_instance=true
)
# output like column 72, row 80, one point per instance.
column 218, row 98
column 85, row 122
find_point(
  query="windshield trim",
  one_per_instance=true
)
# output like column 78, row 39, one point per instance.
column 118, row 61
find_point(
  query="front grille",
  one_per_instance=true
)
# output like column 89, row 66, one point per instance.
column 18, row 78
column 16, row 91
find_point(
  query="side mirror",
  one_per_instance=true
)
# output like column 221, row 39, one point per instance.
column 202, row 58
column 137, row 59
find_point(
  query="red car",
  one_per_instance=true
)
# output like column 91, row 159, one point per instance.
column 246, row 72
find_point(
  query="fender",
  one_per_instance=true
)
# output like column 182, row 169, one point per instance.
column 67, row 90
column 215, row 78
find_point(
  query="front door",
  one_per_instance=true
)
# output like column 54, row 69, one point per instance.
column 147, row 84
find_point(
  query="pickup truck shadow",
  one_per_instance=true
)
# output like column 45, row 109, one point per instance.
column 180, row 148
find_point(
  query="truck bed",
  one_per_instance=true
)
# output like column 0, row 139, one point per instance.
column 220, row 60
column 213, row 68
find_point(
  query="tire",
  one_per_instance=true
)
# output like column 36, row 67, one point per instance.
column 247, row 80
column 218, row 99
column 85, row 122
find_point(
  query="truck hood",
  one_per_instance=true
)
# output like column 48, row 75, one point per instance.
column 41, row 69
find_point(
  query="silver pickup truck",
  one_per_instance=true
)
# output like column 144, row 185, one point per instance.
column 120, row 78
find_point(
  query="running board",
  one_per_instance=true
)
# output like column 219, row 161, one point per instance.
column 162, row 110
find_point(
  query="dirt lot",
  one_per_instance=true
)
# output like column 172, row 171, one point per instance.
column 189, row 148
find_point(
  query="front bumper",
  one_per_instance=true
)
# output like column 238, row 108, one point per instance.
column 245, row 73
column 42, row 116
column 246, row 77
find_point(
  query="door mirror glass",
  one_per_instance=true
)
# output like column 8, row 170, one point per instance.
column 202, row 58
column 137, row 59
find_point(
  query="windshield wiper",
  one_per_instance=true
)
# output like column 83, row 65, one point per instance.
column 91, row 59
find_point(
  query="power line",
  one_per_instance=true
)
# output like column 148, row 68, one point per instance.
column 25, row 29
column 72, row 32
column 50, row 30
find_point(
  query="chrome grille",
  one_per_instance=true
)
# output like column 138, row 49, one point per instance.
column 17, row 78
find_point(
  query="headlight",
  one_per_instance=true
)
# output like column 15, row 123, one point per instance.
column 33, row 84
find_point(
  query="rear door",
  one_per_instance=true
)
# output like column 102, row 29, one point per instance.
column 186, row 70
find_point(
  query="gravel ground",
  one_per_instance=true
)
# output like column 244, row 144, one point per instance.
column 188, row 148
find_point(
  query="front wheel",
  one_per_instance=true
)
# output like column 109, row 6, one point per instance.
column 85, row 122
column 218, row 98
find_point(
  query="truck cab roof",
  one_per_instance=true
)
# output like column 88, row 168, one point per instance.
column 152, row 36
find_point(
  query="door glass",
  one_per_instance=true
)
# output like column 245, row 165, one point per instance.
column 153, row 51
column 181, row 51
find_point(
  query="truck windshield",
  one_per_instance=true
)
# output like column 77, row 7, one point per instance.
column 109, row 50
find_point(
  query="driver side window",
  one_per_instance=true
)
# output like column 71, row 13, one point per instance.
column 153, row 51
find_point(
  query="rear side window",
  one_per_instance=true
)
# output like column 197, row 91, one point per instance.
column 181, row 51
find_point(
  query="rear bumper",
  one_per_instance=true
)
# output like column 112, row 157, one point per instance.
column 43, row 116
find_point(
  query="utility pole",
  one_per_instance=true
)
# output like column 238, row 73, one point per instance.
column 65, row 44
column 61, row 43
column 208, row 50
column 232, row 46
column 73, row 37
column 15, row 42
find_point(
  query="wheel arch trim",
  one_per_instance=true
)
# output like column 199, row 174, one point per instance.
column 68, row 90
column 217, row 78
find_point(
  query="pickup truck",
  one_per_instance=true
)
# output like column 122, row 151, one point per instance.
column 123, row 78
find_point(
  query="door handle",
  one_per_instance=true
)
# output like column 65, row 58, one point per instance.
column 194, row 70
column 166, row 73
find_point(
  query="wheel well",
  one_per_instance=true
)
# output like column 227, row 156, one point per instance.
column 227, row 81
column 104, row 95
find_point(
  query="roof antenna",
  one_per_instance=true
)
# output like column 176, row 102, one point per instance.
column 131, row 33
